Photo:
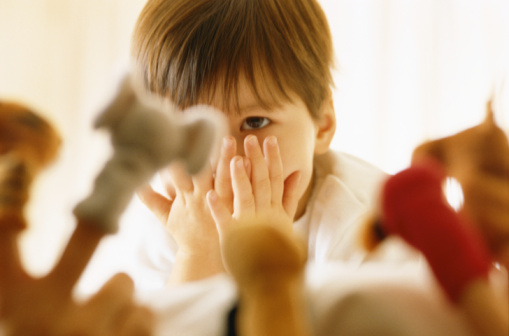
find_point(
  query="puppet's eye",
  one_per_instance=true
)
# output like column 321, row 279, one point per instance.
column 252, row 123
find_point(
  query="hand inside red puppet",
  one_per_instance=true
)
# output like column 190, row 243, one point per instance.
column 459, row 247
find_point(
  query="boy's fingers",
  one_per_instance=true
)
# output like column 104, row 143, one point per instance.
column 273, row 158
column 223, row 181
column 180, row 178
column 259, row 173
column 75, row 257
column 220, row 213
column 243, row 200
column 291, row 197
column 165, row 177
column 159, row 205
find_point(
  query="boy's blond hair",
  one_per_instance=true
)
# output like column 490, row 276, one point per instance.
column 187, row 49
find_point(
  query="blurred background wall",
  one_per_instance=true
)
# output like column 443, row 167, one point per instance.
column 407, row 71
column 62, row 57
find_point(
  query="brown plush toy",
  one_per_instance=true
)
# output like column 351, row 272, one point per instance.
column 479, row 159
column 460, row 247
column 267, row 262
column 27, row 144
column 44, row 306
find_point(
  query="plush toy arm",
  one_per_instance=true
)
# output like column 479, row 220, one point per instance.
column 45, row 306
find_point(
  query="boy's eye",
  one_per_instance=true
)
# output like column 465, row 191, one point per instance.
column 255, row 123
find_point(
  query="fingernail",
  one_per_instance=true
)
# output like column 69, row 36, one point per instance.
column 252, row 140
column 239, row 163
column 212, row 195
column 227, row 142
column 272, row 140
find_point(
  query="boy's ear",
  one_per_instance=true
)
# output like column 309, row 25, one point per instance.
column 326, row 127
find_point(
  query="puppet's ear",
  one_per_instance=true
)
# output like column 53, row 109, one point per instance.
column 490, row 118
column 326, row 127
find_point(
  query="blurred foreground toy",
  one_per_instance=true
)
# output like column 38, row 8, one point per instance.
column 459, row 246
column 478, row 158
column 144, row 140
column 44, row 306
column 27, row 144
column 147, row 135
column 267, row 263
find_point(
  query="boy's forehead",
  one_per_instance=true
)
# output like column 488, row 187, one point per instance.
column 246, row 97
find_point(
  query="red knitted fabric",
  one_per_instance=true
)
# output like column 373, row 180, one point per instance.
column 415, row 208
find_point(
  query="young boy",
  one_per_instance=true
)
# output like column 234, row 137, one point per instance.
column 267, row 65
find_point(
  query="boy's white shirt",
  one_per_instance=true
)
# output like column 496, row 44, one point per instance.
column 345, row 192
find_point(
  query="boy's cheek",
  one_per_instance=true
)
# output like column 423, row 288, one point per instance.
column 305, row 173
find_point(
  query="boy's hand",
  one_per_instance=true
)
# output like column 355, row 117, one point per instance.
column 259, row 188
column 187, row 217
column 189, row 220
column 259, row 247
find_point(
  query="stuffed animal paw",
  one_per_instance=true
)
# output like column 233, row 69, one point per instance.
column 267, row 263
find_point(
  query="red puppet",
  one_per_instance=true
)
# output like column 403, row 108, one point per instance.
column 462, row 246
